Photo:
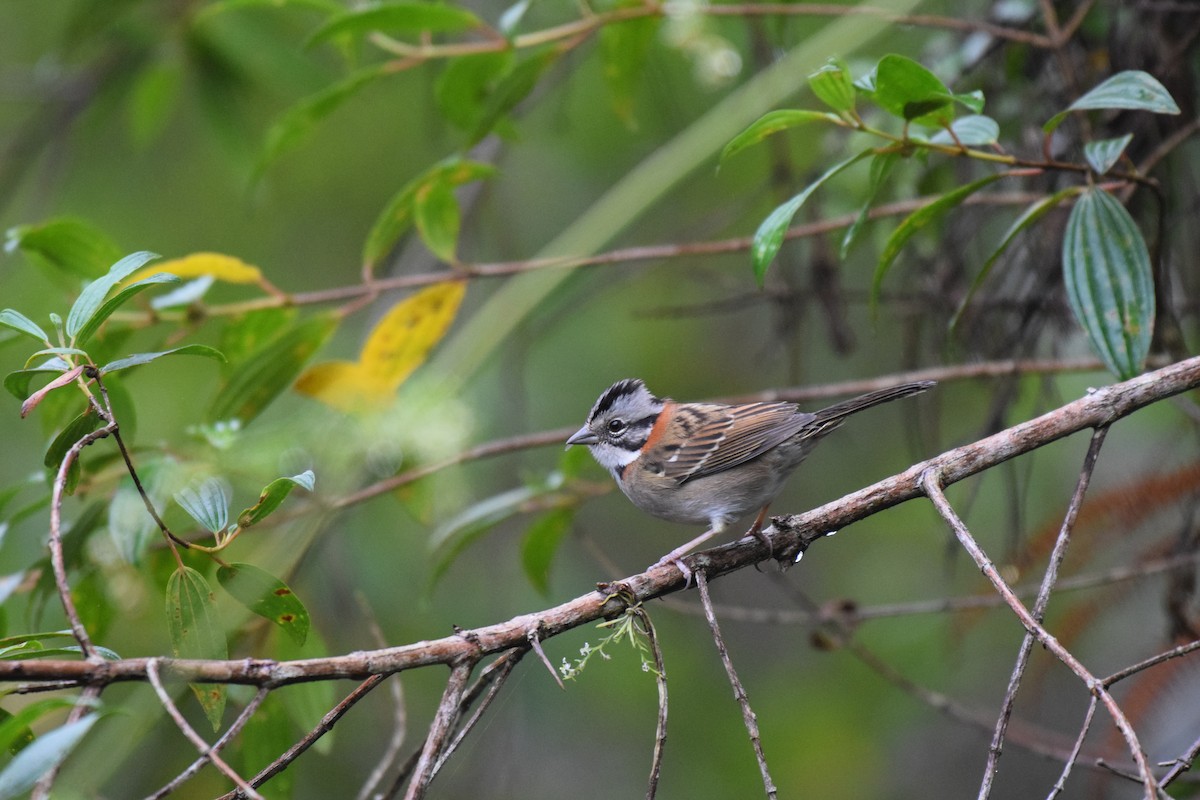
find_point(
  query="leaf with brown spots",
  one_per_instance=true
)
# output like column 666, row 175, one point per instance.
column 267, row 596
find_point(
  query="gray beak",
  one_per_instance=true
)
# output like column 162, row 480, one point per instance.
column 583, row 436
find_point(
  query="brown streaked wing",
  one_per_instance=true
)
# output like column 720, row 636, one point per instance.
column 730, row 435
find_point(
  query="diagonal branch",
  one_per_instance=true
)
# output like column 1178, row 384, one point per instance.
column 931, row 482
column 793, row 534
column 1039, row 612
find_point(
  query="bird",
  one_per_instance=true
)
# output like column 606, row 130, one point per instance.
column 708, row 463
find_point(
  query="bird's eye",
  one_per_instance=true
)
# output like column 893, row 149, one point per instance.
column 616, row 426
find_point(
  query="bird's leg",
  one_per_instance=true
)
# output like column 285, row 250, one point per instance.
column 757, row 532
column 676, row 556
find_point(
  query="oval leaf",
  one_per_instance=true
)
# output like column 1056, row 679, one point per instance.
column 769, row 236
column 65, row 379
column 75, row 430
column 436, row 214
column 70, row 244
column 273, row 496
column 399, row 343
column 17, row 383
column 10, row 318
column 774, row 122
column 908, row 90
column 833, row 85
column 214, row 265
column 208, row 504
column 44, row 754
column 1132, row 89
column 1109, row 281
column 196, row 633
column 1103, row 154
column 91, row 298
column 974, row 130
column 138, row 359
column 266, row 596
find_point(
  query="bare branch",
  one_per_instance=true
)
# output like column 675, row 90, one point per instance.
column 439, row 730
column 207, row 751
column 931, row 482
column 739, row 692
column 1039, row 610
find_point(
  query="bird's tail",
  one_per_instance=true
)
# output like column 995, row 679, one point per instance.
column 839, row 411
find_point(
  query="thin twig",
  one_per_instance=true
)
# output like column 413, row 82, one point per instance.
column 1072, row 759
column 1039, row 610
column 57, row 561
column 439, row 729
column 493, row 677
column 323, row 727
column 739, row 692
column 931, row 483
column 660, row 677
column 207, row 751
column 218, row 745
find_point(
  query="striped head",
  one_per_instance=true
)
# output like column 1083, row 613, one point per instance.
column 619, row 424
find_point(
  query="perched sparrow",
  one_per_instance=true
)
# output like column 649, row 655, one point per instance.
column 705, row 462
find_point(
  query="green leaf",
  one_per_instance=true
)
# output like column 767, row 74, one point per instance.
column 973, row 130
column 11, row 318
column 264, row 376
column 266, row 596
column 881, row 167
column 72, row 245
column 1133, row 89
column 774, row 122
column 55, row 351
column 436, row 214
column 908, row 90
column 512, row 89
column 75, row 430
column 396, row 18
column 541, row 542
column 116, row 301
column 208, row 504
column 273, row 496
column 90, row 299
column 398, row 215
column 137, row 359
column 196, row 633
column 299, row 121
column 1028, row 217
column 1109, row 281
column 463, row 87
column 44, row 754
column 919, row 219
column 769, row 236
column 833, row 86
column 1102, row 155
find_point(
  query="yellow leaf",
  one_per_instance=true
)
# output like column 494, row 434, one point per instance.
column 398, row 345
column 221, row 267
